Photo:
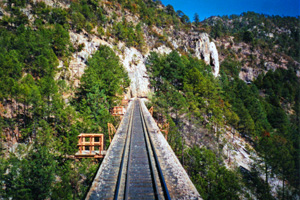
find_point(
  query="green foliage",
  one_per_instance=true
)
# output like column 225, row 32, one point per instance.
column 86, row 14
column 16, row 3
column 282, row 87
column 102, row 85
column 231, row 67
column 70, row 185
column 246, row 103
column 253, row 28
column 170, row 68
column 47, row 127
column 151, row 14
column 256, row 184
column 185, row 85
column 133, row 36
column 31, row 177
column 267, row 113
column 192, row 80
column 196, row 19
column 212, row 180
column 37, row 50
column 267, row 122
column 248, row 37
column 104, row 73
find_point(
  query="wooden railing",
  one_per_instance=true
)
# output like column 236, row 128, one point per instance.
column 118, row 111
column 90, row 145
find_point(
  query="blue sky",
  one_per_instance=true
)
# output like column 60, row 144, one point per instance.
column 207, row 8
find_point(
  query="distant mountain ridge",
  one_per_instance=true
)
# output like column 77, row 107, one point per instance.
column 260, row 42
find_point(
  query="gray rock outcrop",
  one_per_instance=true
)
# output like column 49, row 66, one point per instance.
column 203, row 48
column 214, row 58
column 207, row 51
column 134, row 63
column 134, row 60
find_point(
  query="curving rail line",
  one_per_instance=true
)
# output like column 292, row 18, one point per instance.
column 140, row 175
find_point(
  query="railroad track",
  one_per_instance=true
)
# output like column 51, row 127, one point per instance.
column 140, row 175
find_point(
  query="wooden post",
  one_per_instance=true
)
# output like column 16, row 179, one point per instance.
column 93, row 143
column 80, row 143
column 165, row 129
column 83, row 143
column 90, row 147
column 151, row 111
column 111, row 131
column 102, row 144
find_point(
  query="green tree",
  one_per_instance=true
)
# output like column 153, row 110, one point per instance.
column 266, row 148
column 105, row 71
column 212, row 180
column 32, row 176
column 284, row 164
column 102, row 85
column 248, row 37
column 196, row 19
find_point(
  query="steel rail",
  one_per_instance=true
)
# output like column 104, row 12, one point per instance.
column 152, row 158
column 161, row 176
column 156, row 192
column 128, row 136
column 126, row 192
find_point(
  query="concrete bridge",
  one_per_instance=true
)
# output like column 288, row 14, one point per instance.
column 140, row 164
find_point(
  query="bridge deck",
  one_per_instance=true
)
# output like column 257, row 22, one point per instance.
column 138, row 177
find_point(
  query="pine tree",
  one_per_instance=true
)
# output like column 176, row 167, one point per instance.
column 196, row 19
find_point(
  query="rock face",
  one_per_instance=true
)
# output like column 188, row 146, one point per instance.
column 207, row 51
column 89, row 44
column 204, row 49
column 163, row 50
column 134, row 60
column 134, row 63
column 247, row 74
column 54, row 3
column 214, row 57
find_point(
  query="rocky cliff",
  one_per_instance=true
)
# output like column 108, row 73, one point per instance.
column 134, row 60
column 189, row 41
column 258, row 42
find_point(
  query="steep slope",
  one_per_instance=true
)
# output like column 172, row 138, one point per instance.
column 242, row 117
column 62, row 70
column 258, row 42
column 125, row 30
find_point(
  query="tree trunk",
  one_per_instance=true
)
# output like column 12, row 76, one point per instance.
column 218, row 140
column 182, row 153
column 12, row 117
column 267, row 177
column 24, row 113
column 48, row 102
column 17, row 113
column 283, row 188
